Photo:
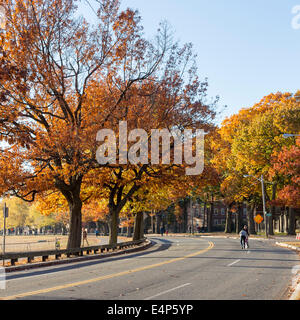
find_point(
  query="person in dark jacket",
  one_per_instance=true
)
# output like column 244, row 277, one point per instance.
column 244, row 234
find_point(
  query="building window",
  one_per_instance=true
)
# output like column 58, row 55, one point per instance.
column 222, row 211
column 245, row 211
column 216, row 211
column 216, row 222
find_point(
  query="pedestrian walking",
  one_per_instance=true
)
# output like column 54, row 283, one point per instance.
column 84, row 237
column 162, row 230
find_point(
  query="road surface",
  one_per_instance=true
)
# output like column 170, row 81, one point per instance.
column 175, row 268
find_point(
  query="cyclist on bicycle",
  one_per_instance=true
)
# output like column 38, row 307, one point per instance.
column 244, row 234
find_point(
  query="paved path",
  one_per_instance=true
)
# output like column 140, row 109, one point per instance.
column 175, row 268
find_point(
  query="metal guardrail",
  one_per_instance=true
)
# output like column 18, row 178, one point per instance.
column 13, row 257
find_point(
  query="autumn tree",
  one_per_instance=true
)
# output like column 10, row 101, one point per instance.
column 287, row 164
column 248, row 141
column 260, row 138
column 171, row 98
column 75, row 79
column 22, row 214
column 18, row 213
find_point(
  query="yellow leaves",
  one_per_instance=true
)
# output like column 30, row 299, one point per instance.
column 95, row 210
column 78, row 81
column 24, row 214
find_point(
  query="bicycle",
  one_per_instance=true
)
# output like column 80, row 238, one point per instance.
column 244, row 243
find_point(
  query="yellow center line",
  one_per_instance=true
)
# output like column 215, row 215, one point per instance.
column 119, row 274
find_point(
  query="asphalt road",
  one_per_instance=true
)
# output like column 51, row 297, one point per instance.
column 175, row 268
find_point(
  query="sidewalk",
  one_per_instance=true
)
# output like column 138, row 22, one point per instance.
column 230, row 235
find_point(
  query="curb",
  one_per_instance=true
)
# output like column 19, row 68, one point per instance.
column 285, row 245
column 212, row 236
column 296, row 294
column 148, row 243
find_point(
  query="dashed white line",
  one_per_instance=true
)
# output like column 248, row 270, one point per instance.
column 167, row 291
column 236, row 261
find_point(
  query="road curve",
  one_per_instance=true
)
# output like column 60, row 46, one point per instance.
column 175, row 268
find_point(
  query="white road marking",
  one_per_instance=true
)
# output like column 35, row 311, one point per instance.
column 233, row 262
column 167, row 291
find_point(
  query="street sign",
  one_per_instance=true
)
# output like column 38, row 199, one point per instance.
column 268, row 214
column 258, row 219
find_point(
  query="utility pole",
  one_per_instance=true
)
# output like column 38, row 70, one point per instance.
column 264, row 203
column 263, row 200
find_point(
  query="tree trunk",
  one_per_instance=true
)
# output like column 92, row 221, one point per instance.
column 292, row 222
column 228, row 222
column 210, row 217
column 204, row 216
column 273, row 210
column 185, row 217
column 250, row 216
column 157, row 223
column 74, row 240
column 239, row 215
column 142, row 231
column 72, row 194
column 113, row 225
column 106, row 229
column 152, row 223
column 286, row 220
column 281, row 221
column 138, row 226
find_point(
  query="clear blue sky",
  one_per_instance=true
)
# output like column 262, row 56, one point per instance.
column 246, row 48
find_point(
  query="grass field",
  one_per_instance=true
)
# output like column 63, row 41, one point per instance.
column 46, row 242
